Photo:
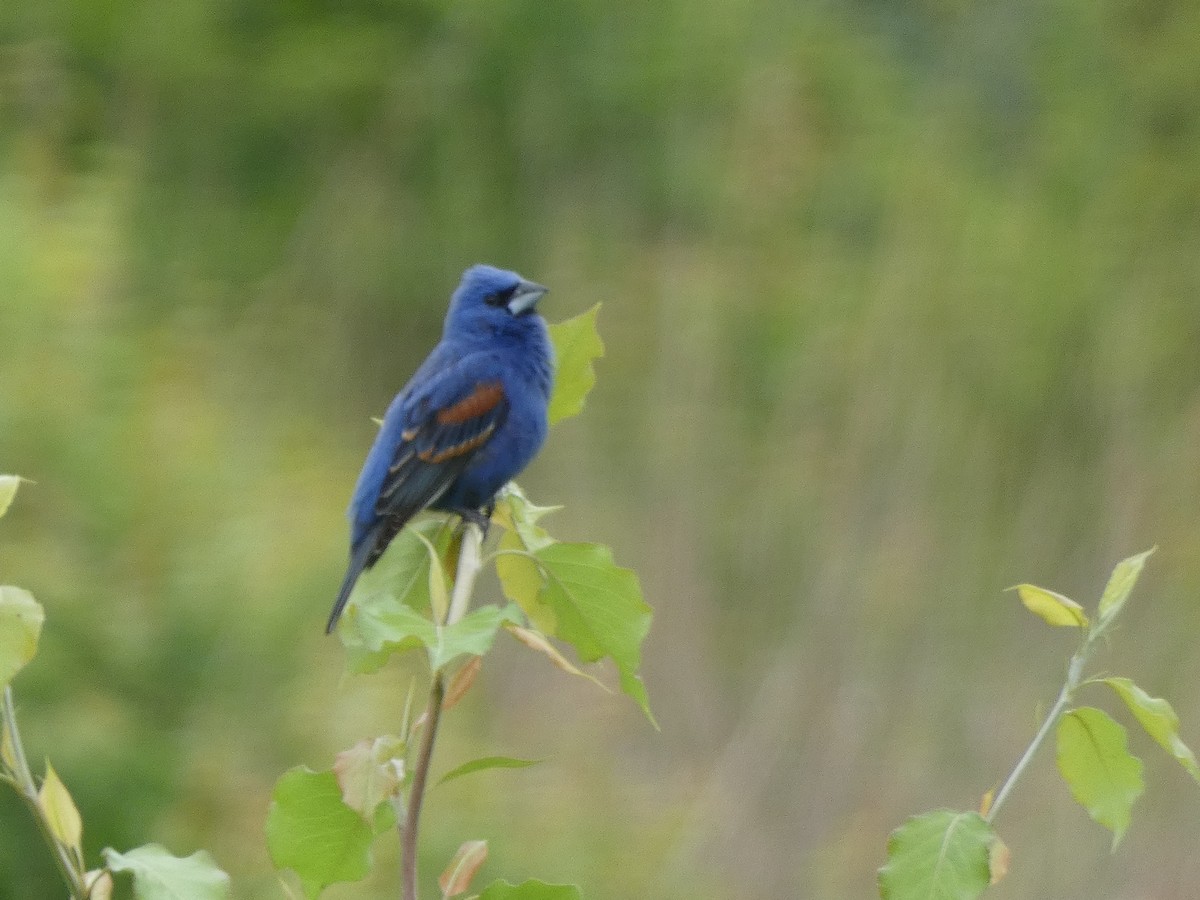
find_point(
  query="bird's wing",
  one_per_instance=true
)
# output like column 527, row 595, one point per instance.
column 445, row 425
column 432, row 430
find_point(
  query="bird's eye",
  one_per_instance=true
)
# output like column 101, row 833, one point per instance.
column 501, row 297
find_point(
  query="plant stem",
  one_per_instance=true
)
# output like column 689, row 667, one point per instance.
column 26, row 787
column 1065, row 696
column 409, row 829
column 465, row 575
column 466, row 572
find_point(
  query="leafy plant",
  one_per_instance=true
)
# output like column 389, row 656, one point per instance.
column 321, row 825
column 955, row 855
column 157, row 875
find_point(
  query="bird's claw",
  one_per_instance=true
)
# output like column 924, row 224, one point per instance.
column 481, row 518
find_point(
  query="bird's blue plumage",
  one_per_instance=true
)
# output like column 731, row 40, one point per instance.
column 468, row 421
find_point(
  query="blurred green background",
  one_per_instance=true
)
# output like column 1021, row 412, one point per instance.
column 902, row 305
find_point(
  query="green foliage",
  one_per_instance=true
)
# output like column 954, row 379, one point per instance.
column 577, row 345
column 321, row 824
column 21, row 620
column 1158, row 719
column 379, row 631
column 8, row 490
column 529, row 890
column 928, row 857
column 399, row 586
column 941, row 855
column 1120, row 584
column 157, row 875
column 487, row 762
column 66, row 825
column 896, row 295
column 311, row 831
column 1052, row 608
column 403, row 575
column 597, row 608
column 1094, row 759
column 21, row 616
column 574, row 592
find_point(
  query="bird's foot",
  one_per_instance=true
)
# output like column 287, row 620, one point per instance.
column 481, row 518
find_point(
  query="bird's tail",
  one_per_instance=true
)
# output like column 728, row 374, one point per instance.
column 358, row 562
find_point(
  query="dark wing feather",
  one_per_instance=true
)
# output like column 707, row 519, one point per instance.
column 441, row 436
column 437, row 446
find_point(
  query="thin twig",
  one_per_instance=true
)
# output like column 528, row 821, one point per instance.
column 465, row 575
column 1060, row 704
column 1065, row 697
column 22, row 780
column 411, row 825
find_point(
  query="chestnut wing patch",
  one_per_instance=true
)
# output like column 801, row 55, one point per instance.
column 484, row 399
column 435, row 449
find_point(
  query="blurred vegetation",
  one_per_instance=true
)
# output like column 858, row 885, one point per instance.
column 901, row 302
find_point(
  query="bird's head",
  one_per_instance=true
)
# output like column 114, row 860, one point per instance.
column 492, row 298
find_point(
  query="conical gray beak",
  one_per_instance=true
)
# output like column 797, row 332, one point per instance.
column 525, row 297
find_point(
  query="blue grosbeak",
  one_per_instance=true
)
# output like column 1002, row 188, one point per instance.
column 469, row 420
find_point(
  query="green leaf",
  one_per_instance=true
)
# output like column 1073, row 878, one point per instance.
column 439, row 590
column 370, row 773
column 1052, row 608
column 383, row 616
column 1120, row 584
column 381, row 630
column 21, row 620
column 384, row 818
column 520, row 575
column 1158, row 719
column 472, row 635
column 8, row 490
column 485, row 763
column 521, row 580
column 576, row 345
column 530, row 890
column 60, row 811
column 516, row 513
column 939, row 855
column 157, row 875
column 1104, row 777
column 400, row 579
column 311, row 831
column 597, row 608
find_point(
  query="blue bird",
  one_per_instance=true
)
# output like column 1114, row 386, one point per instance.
column 468, row 421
